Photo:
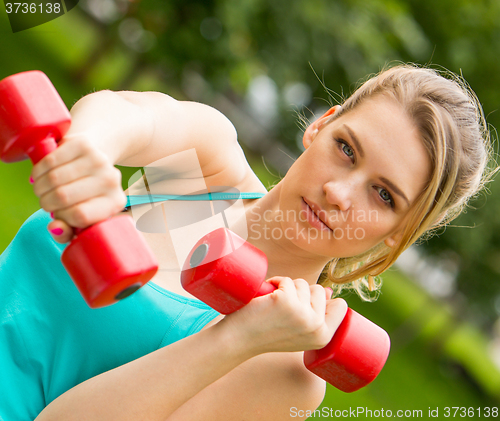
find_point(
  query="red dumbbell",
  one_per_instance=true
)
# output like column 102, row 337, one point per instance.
column 226, row 272
column 107, row 261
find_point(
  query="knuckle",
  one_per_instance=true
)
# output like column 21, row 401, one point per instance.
column 283, row 280
column 118, row 175
column 36, row 189
column 113, row 178
column 300, row 282
column 50, row 160
column 62, row 196
column 122, row 200
column 107, row 180
column 53, row 177
column 82, row 144
column 99, row 158
column 318, row 289
column 80, row 217
column 118, row 202
column 45, row 204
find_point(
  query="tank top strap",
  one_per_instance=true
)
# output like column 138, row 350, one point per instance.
column 153, row 198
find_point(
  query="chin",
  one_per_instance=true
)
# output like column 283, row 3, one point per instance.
column 313, row 241
column 319, row 243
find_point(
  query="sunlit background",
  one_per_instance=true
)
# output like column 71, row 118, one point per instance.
column 269, row 66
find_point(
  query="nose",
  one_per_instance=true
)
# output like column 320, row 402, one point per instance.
column 339, row 193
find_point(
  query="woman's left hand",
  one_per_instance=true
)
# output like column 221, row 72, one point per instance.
column 295, row 317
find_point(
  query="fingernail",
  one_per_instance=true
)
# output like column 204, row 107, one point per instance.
column 31, row 180
column 57, row 231
column 52, row 215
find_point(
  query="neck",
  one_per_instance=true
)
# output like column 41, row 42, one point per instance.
column 284, row 257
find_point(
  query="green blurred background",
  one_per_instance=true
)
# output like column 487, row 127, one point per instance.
column 264, row 64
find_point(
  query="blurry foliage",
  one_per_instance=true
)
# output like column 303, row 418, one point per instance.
column 230, row 43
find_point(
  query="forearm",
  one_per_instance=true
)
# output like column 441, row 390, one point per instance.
column 154, row 386
column 117, row 126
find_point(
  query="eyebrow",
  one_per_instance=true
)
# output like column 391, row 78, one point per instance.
column 355, row 140
column 391, row 185
column 395, row 189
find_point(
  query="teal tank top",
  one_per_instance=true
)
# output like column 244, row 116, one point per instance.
column 50, row 340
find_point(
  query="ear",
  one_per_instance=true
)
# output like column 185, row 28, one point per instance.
column 313, row 129
column 393, row 240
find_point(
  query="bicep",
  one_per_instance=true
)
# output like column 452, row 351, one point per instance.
column 184, row 125
column 263, row 388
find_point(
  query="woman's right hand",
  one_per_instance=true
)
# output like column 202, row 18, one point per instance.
column 78, row 183
column 295, row 317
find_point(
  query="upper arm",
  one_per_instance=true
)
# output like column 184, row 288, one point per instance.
column 265, row 388
column 183, row 125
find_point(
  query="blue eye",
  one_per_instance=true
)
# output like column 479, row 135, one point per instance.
column 346, row 149
column 386, row 197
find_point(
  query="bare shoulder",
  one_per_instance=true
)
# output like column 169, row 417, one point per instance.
column 268, row 387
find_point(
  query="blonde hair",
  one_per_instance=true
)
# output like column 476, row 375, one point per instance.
column 453, row 129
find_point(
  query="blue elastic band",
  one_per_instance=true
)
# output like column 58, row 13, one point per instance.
column 146, row 198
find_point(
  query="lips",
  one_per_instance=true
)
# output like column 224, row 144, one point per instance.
column 315, row 215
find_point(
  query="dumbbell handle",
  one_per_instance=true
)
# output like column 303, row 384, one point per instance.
column 41, row 149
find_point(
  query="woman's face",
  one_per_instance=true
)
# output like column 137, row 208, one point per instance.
column 352, row 187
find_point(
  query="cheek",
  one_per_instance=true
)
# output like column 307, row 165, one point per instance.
column 384, row 228
column 376, row 224
column 365, row 232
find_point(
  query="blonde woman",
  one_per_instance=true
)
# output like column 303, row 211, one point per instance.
column 407, row 151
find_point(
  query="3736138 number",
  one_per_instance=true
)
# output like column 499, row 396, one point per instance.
column 41, row 8
column 459, row 411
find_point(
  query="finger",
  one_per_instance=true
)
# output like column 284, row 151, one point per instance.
column 281, row 282
column 54, row 159
column 72, row 137
column 79, row 191
column 318, row 299
column 266, row 288
column 284, row 287
column 61, row 175
column 329, row 293
column 303, row 290
column 91, row 211
column 335, row 312
column 60, row 231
